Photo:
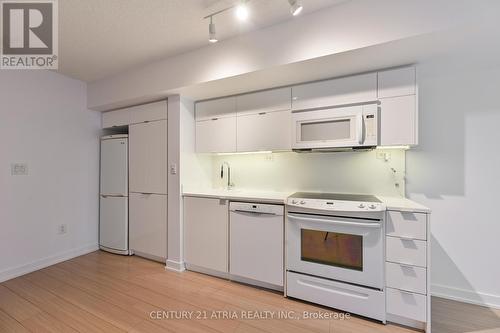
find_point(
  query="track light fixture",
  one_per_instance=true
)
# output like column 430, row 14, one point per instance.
column 241, row 11
column 295, row 7
column 212, row 38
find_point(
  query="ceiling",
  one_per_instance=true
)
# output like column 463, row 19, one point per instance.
column 100, row 38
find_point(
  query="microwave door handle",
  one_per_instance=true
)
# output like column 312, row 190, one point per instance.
column 359, row 124
column 314, row 219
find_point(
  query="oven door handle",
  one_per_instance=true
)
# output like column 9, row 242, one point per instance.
column 314, row 219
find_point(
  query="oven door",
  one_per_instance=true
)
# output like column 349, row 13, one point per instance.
column 328, row 128
column 338, row 248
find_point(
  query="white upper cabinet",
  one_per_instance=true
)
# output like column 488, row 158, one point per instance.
column 135, row 114
column 116, row 118
column 216, row 135
column 398, row 121
column 264, row 131
column 264, row 101
column 148, row 112
column 217, row 108
column 148, row 157
column 396, row 82
column 264, row 120
column 347, row 90
column 216, row 126
column 397, row 92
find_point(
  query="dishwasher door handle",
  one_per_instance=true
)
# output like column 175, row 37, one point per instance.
column 251, row 212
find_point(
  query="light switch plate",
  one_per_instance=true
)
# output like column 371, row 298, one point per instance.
column 19, row 169
column 173, row 169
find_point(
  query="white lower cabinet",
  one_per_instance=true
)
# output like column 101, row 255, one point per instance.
column 406, row 304
column 407, row 269
column 148, row 225
column 206, row 222
column 217, row 135
column 264, row 131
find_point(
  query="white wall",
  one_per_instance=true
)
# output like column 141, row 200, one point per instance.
column 354, row 172
column 44, row 122
column 455, row 172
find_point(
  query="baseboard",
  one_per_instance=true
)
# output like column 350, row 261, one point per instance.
column 466, row 296
column 175, row 266
column 11, row 273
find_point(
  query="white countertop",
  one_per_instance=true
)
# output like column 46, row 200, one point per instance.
column 241, row 195
column 392, row 203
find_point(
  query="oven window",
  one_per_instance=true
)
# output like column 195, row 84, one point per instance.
column 326, row 130
column 332, row 248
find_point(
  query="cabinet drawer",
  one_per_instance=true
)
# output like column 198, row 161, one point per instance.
column 148, row 112
column 406, row 251
column 264, row 131
column 409, row 278
column 115, row 118
column 407, row 224
column 406, row 304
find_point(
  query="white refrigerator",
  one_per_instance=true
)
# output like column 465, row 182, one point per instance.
column 113, row 219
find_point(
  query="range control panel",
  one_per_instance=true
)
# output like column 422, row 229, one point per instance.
column 337, row 205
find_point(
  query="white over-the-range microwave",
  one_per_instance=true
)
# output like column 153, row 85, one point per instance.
column 336, row 129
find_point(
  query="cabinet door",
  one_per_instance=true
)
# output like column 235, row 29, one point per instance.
column 217, row 108
column 115, row 118
column 148, row 112
column 348, row 90
column 216, row 135
column 148, row 157
column 398, row 123
column 148, row 224
column 396, row 82
column 264, row 101
column 264, row 131
column 206, row 223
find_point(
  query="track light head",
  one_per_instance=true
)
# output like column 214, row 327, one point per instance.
column 295, row 7
column 212, row 37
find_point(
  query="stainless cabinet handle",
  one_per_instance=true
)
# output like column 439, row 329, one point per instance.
column 215, row 119
column 262, row 113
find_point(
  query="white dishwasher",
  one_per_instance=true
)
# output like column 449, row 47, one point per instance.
column 256, row 233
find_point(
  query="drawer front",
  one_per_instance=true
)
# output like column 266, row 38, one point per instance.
column 407, row 224
column 405, row 304
column 404, row 277
column 406, row 251
column 363, row 301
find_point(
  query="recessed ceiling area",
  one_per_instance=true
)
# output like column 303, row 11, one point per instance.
column 98, row 39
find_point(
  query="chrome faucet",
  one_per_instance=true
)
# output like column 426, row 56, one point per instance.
column 229, row 184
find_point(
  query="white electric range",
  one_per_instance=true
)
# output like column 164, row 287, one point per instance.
column 335, row 251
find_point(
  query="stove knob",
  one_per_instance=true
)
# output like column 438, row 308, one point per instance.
column 294, row 202
column 361, row 206
column 302, row 202
column 373, row 206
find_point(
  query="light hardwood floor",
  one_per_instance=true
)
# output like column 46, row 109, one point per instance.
column 101, row 292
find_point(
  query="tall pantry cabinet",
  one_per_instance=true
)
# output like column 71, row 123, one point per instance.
column 147, row 129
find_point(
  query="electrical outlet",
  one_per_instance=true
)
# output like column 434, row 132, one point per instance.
column 173, row 169
column 19, row 169
column 62, row 229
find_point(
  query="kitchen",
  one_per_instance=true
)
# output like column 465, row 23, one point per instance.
column 233, row 193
